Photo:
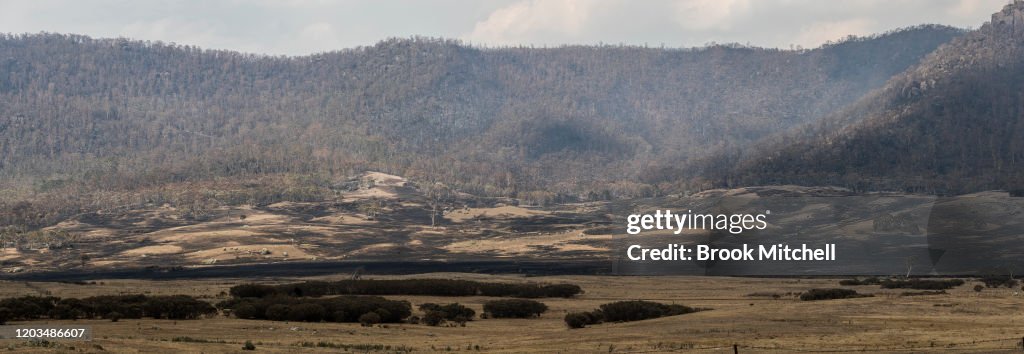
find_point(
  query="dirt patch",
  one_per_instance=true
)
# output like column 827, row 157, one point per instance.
column 463, row 215
column 340, row 219
column 384, row 179
column 527, row 244
column 274, row 251
column 151, row 250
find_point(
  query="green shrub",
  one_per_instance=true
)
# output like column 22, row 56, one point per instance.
column 252, row 290
column 335, row 309
column 178, row 307
column 577, row 319
column 996, row 281
column 922, row 284
column 247, row 311
column 306, row 312
column 830, row 294
column 624, row 311
column 430, row 287
column 865, row 281
column 369, row 319
column 433, row 318
column 923, row 293
column 514, row 308
column 450, row 311
column 248, row 345
column 277, row 312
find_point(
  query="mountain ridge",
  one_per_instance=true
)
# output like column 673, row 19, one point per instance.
column 946, row 126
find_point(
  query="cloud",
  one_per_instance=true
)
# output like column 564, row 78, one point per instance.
column 709, row 14
column 300, row 27
column 820, row 32
column 522, row 21
column 320, row 34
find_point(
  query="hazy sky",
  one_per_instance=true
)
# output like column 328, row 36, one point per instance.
column 308, row 26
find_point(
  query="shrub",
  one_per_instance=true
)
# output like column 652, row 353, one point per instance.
column 577, row 319
column 922, row 284
column 307, row 312
column 978, row 288
column 277, row 312
column 923, row 293
column 252, row 290
column 865, row 281
column 450, row 311
column 624, row 311
column 830, row 294
column 248, row 345
column 247, row 311
column 369, row 319
column 433, row 318
column 127, row 306
column 114, row 316
column 996, row 281
column 336, row 309
column 514, row 308
column 431, row 287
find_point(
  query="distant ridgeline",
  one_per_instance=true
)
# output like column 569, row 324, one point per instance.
column 952, row 124
column 99, row 123
column 82, row 114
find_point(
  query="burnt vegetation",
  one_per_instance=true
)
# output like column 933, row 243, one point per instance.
column 950, row 125
column 93, row 124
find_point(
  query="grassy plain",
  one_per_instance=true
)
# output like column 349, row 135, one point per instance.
column 961, row 321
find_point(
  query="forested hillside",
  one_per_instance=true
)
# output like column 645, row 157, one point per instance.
column 93, row 123
column 953, row 124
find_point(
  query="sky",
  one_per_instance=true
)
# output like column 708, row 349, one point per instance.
column 300, row 27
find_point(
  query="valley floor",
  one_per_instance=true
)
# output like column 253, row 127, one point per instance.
column 744, row 313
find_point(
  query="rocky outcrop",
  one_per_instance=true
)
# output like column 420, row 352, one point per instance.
column 1011, row 18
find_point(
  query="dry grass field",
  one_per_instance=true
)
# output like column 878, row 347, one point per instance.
column 961, row 321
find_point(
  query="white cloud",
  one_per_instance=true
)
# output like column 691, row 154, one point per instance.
column 820, row 32
column 523, row 21
column 305, row 26
column 709, row 14
column 317, row 35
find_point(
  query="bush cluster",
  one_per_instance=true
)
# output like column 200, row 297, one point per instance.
column 514, row 308
column 114, row 307
column 830, row 294
column 996, row 281
column 337, row 309
column 435, row 314
column 923, row 293
column 921, row 284
column 625, row 311
column 583, row 319
column 428, row 287
column 865, row 281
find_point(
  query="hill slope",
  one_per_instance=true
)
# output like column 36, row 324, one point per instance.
column 119, row 114
column 952, row 124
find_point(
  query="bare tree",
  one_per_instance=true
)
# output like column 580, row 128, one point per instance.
column 910, row 264
column 437, row 196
